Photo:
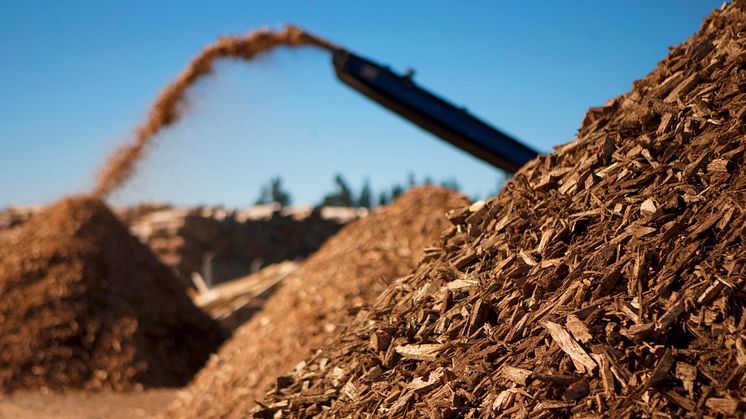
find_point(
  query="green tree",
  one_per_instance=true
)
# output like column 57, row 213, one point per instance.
column 274, row 191
column 396, row 191
column 365, row 200
column 383, row 199
column 411, row 180
column 452, row 184
column 342, row 196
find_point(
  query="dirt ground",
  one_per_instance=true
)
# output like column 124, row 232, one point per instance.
column 80, row 405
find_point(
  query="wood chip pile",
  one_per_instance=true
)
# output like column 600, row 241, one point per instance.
column 313, row 303
column 84, row 305
column 607, row 279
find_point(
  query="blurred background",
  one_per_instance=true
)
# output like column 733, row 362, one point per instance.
column 76, row 79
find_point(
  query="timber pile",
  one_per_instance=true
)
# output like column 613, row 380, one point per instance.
column 15, row 216
column 607, row 279
column 131, row 214
column 233, row 302
column 231, row 243
column 343, row 276
column 85, row 305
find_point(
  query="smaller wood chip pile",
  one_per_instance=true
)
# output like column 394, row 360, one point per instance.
column 310, row 305
column 83, row 304
column 606, row 280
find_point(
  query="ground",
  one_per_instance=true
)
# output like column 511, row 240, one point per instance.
column 80, row 405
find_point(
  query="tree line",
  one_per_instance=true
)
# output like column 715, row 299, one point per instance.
column 344, row 195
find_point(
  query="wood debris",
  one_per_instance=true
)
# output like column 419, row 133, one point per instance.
column 233, row 302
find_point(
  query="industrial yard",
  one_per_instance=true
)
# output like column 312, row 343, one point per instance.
column 607, row 278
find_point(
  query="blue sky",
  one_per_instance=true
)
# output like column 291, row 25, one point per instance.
column 77, row 77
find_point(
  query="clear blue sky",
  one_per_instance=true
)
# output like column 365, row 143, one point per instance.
column 76, row 78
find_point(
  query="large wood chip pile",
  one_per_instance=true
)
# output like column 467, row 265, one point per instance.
column 607, row 279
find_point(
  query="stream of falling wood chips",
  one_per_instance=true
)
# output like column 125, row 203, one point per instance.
column 169, row 107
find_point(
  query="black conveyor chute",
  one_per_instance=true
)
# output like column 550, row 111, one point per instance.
column 455, row 125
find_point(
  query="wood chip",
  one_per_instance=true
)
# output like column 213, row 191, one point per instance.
column 579, row 357
column 578, row 329
column 516, row 375
column 424, row 352
column 648, row 206
column 423, row 385
column 723, row 405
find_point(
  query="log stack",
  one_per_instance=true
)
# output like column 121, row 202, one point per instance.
column 221, row 244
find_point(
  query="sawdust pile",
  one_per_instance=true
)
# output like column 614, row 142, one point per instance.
column 344, row 275
column 170, row 104
column 84, row 305
column 608, row 278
